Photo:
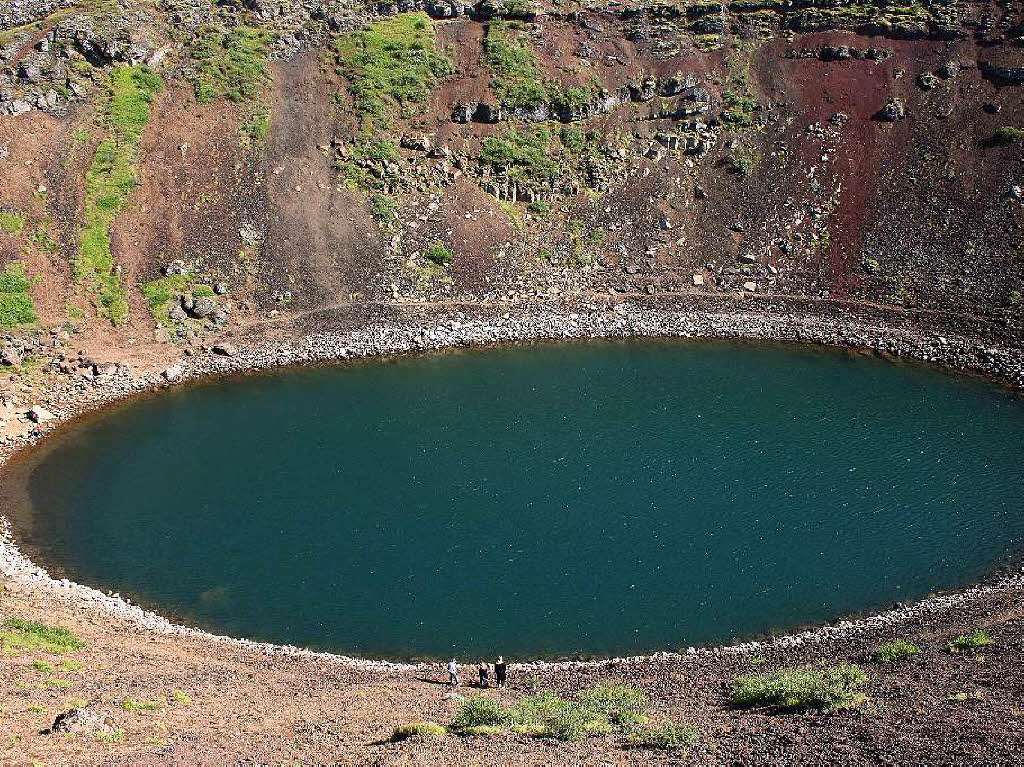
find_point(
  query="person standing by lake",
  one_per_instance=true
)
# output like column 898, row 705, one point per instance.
column 484, row 671
column 453, row 673
column 500, row 671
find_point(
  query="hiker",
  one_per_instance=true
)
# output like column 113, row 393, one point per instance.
column 484, row 674
column 500, row 670
column 453, row 673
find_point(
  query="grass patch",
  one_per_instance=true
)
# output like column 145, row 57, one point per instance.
column 43, row 666
column 180, row 697
column 12, row 223
column 162, row 293
column 110, row 179
column 142, row 705
column 54, row 682
column 597, row 711
column 1007, row 134
column 114, row 736
column 70, row 665
column 231, row 65
column 666, row 734
column 830, row 688
column 16, row 305
column 256, row 129
column 30, row 635
column 439, row 253
column 976, row 639
column 392, row 66
column 515, row 74
column 417, row 728
column 894, row 650
column 521, row 154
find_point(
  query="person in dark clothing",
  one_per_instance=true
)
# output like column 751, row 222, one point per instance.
column 500, row 671
column 484, row 674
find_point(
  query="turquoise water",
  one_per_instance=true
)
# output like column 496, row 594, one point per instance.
column 584, row 499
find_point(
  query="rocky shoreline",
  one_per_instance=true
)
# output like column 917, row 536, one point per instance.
column 482, row 326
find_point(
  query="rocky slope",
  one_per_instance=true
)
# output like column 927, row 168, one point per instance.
column 244, row 183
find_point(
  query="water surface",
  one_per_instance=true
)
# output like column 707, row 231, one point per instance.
column 599, row 498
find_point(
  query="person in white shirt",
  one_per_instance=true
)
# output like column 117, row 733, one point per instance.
column 453, row 673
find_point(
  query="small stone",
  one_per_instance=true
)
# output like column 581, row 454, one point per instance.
column 698, row 280
column 751, row 286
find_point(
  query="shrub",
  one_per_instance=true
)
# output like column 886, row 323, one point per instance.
column 828, row 688
column 618, row 703
column 404, row 731
column 438, row 253
column 546, row 714
column 974, row 640
column 666, row 734
column 30, row 635
column 1007, row 134
column 894, row 650
column 481, row 711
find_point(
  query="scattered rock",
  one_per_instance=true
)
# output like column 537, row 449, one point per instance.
column 894, row 111
column 225, row 350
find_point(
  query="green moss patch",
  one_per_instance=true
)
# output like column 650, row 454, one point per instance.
column 392, row 67
column 161, row 294
column 111, row 177
column 516, row 79
column 12, row 223
column 16, row 305
column 32, row 635
column 431, row 729
column 232, row 64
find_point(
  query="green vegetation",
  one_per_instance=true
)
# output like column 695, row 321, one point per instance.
column 829, row 688
column 161, row 294
column 114, row 736
column 70, row 665
column 597, row 711
column 666, row 734
column 1007, row 134
column 31, row 635
column 142, row 705
column 383, row 207
column 229, row 64
column 16, row 306
column 108, row 182
column 417, row 728
column 894, row 650
column 43, row 666
column 974, row 640
column 523, row 155
column 438, row 253
column 257, row 128
column 392, row 66
column 180, row 697
column 516, row 78
column 12, row 223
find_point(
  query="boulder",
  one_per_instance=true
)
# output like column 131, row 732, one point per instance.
column 225, row 350
column 174, row 372
column 203, row 307
column 39, row 414
column 894, row 111
column 83, row 721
